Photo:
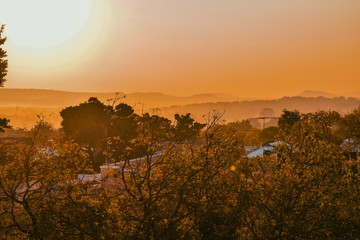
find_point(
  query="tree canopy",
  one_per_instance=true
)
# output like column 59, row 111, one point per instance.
column 288, row 119
column 307, row 189
column 101, row 128
column 3, row 61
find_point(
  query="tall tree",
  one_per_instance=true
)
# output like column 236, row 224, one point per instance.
column 123, row 133
column 87, row 123
column 4, row 123
column 3, row 61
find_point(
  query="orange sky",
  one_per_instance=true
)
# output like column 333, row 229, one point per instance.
column 257, row 48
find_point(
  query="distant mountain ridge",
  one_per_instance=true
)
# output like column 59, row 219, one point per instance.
column 353, row 94
column 61, row 99
column 234, row 111
column 22, row 106
column 311, row 93
column 56, row 98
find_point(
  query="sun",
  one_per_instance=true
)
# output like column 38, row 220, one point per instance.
column 44, row 23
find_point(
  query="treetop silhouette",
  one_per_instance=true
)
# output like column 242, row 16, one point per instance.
column 3, row 61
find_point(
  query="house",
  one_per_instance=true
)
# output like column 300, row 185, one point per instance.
column 111, row 175
column 260, row 152
column 265, row 150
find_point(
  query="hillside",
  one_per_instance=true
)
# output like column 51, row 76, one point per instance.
column 55, row 98
column 248, row 109
column 310, row 93
column 26, row 116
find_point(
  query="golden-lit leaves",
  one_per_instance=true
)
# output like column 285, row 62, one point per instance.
column 306, row 189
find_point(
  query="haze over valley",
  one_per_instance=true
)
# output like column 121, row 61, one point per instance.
column 23, row 106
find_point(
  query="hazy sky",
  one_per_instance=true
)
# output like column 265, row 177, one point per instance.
column 252, row 48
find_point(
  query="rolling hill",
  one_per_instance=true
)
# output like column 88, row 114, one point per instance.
column 55, row 98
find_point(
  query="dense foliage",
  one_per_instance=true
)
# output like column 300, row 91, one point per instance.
column 199, row 187
column 101, row 128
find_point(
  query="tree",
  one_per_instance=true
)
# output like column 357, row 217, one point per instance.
column 267, row 112
column 269, row 134
column 243, row 126
column 288, row 119
column 41, row 197
column 3, row 61
column 4, row 123
column 186, row 128
column 183, row 194
column 325, row 125
column 253, row 137
column 123, row 122
column 154, row 132
column 350, row 125
column 122, row 133
column 87, row 124
column 307, row 193
column 308, row 190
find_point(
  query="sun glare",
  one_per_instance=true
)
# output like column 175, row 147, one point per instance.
column 44, row 23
